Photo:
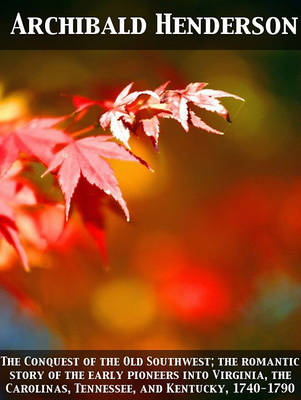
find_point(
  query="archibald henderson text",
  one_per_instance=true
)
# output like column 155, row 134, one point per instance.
column 165, row 24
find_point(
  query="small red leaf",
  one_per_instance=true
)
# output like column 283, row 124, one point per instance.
column 179, row 102
column 120, row 116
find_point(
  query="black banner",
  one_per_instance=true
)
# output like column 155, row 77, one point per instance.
column 148, row 25
column 193, row 374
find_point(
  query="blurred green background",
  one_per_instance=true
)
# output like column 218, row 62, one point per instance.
column 212, row 256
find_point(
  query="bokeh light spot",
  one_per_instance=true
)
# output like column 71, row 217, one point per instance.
column 196, row 295
column 124, row 305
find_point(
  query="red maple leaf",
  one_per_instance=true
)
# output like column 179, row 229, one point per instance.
column 81, row 103
column 13, row 193
column 92, row 215
column 128, row 112
column 121, row 114
column 147, row 117
column 37, row 139
column 84, row 158
column 194, row 93
column 80, row 166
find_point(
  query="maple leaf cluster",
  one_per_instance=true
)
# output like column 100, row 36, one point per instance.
column 78, row 159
